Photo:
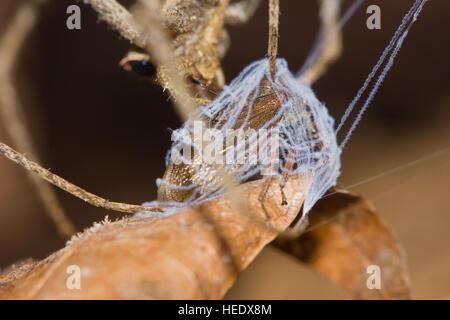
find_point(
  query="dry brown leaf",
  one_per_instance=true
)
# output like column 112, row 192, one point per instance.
column 195, row 254
column 346, row 236
column 16, row 271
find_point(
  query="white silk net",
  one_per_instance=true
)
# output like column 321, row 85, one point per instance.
column 295, row 135
column 257, row 127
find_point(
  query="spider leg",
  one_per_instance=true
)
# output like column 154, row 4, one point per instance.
column 283, row 195
column 288, row 167
column 300, row 226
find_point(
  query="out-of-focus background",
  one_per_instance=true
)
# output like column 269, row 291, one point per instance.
column 107, row 131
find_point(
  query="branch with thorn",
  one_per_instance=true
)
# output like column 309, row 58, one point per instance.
column 63, row 184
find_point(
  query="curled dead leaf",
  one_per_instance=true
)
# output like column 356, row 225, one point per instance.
column 346, row 236
column 194, row 254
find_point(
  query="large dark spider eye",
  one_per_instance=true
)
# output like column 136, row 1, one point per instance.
column 142, row 67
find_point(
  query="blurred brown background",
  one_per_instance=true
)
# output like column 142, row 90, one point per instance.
column 107, row 131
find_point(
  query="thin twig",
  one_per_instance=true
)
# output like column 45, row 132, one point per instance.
column 274, row 12
column 199, row 51
column 11, row 110
column 240, row 12
column 143, row 28
column 63, row 184
column 120, row 19
column 143, row 25
column 329, row 47
column 156, row 40
column 159, row 45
